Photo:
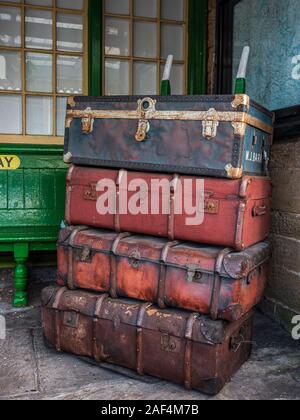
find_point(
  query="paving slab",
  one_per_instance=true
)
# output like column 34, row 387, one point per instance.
column 18, row 370
column 29, row 370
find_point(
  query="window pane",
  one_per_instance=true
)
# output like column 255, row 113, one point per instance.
column 120, row 7
column 69, row 74
column 117, row 40
column 11, row 114
column 10, row 70
column 145, row 8
column 172, row 9
column 61, row 108
column 145, row 77
column 39, row 115
column 47, row 3
column 38, row 29
column 12, row 1
column 177, row 79
column 39, row 72
column 116, row 77
column 172, row 41
column 67, row 4
column 69, row 32
column 10, row 24
column 145, row 39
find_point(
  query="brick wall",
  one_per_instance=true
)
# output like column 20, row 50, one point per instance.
column 282, row 299
column 283, row 294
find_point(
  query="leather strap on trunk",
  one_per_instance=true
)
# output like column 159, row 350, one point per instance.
column 188, row 350
column 70, row 280
column 139, row 338
column 113, row 264
column 117, row 214
column 171, row 232
column 162, row 274
column 215, row 298
column 55, row 307
column 98, row 355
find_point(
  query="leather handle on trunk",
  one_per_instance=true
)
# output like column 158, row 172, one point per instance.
column 259, row 211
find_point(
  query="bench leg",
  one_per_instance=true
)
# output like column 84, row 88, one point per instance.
column 21, row 254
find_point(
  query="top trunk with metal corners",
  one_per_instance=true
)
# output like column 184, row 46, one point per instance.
column 220, row 136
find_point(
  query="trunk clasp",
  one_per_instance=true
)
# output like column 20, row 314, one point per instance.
column 87, row 122
column 146, row 109
column 210, row 124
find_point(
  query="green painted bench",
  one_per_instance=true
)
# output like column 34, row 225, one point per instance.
column 32, row 200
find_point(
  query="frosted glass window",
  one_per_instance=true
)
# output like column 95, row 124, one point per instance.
column 10, row 24
column 145, row 8
column 47, row 3
column 116, row 77
column 61, row 109
column 177, row 79
column 38, row 29
column 10, row 70
column 69, row 74
column 39, row 115
column 172, row 41
column 117, row 39
column 11, row 114
column 145, row 39
column 69, row 32
column 120, row 7
column 145, row 76
column 70, row 4
column 172, row 9
column 271, row 29
column 39, row 72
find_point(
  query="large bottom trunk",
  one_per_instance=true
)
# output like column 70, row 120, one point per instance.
column 178, row 346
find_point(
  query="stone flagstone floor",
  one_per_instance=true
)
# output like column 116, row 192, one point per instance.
column 31, row 371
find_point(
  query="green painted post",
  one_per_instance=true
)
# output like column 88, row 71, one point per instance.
column 21, row 254
column 198, row 14
column 240, row 84
column 165, row 88
column 95, row 48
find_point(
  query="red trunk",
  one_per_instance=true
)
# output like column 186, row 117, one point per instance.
column 182, row 347
column 237, row 212
column 205, row 279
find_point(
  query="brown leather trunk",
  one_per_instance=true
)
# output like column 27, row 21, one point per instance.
column 236, row 212
column 178, row 346
column 206, row 279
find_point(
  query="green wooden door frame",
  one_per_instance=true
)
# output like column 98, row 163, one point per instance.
column 197, row 49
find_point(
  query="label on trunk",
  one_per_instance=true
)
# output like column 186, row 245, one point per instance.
column 9, row 162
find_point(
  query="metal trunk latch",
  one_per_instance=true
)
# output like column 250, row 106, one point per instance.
column 146, row 108
column 210, row 124
column 87, row 122
column 169, row 344
column 135, row 259
column 71, row 319
column 193, row 274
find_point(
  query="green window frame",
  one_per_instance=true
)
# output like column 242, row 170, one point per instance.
column 197, row 48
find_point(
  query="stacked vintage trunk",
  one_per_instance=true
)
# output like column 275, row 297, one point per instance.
column 148, row 290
